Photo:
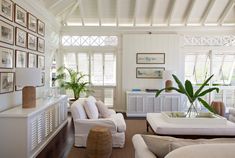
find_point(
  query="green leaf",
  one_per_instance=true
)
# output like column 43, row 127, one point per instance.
column 159, row 92
column 169, row 88
column 189, row 88
column 180, row 85
column 202, row 86
column 208, row 91
column 206, row 105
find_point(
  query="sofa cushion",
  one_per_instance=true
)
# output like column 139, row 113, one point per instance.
column 120, row 122
column 78, row 111
column 103, row 110
column 91, row 109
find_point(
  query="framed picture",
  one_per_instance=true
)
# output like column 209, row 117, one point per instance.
column 6, row 33
column 41, row 28
column 6, row 58
column 41, row 45
column 42, row 79
column 150, row 58
column 32, row 23
column 32, row 42
column 41, row 62
column 6, row 82
column 21, row 38
column 150, row 72
column 20, row 16
column 21, row 59
column 32, row 60
column 6, row 9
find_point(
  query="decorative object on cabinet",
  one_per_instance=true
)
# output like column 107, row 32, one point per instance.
column 149, row 72
column 6, row 9
column 41, row 45
column 6, row 82
column 20, row 16
column 41, row 62
column 21, row 59
column 167, row 77
column 33, row 128
column 21, row 38
column 6, row 33
column 32, row 23
column 187, row 90
column 41, row 28
column 32, row 42
column 219, row 107
column 32, row 60
column 6, row 58
column 150, row 58
column 28, row 78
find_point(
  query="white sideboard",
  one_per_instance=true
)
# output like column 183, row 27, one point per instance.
column 25, row 132
column 141, row 103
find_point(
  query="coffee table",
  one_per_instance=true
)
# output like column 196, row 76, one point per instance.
column 161, row 127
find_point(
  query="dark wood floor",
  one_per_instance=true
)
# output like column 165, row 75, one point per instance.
column 61, row 144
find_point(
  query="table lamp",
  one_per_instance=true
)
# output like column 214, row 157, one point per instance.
column 167, row 77
column 28, row 78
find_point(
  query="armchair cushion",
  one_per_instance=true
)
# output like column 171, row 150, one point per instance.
column 119, row 120
column 103, row 110
column 91, row 109
column 78, row 111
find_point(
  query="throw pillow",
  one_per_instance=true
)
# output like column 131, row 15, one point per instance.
column 78, row 111
column 103, row 110
column 91, row 109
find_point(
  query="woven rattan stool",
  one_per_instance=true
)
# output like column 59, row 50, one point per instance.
column 99, row 143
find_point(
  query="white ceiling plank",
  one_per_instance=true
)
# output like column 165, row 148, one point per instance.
column 82, row 13
column 189, row 11
column 117, row 12
column 135, row 12
column 226, row 12
column 152, row 16
column 61, row 12
column 54, row 4
column 171, row 11
column 99, row 5
column 207, row 11
column 70, row 12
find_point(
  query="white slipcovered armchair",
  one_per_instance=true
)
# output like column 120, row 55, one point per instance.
column 83, row 124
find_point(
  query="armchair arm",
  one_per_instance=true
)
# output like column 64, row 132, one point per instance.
column 83, row 126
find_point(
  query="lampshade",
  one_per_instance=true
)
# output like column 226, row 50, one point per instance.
column 28, row 77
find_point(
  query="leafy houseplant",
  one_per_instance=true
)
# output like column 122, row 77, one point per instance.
column 72, row 80
column 187, row 89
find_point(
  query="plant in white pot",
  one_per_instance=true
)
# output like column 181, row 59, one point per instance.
column 72, row 80
column 187, row 89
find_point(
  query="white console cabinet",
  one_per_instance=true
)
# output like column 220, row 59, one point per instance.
column 25, row 132
column 141, row 103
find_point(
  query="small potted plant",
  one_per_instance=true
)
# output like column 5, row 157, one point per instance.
column 72, row 80
column 187, row 89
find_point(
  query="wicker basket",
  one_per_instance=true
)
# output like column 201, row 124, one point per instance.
column 99, row 143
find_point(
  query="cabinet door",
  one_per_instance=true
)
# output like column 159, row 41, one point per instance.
column 140, row 104
column 171, row 103
column 157, row 104
column 131, row 104
column 150, row 104
column 135, row 104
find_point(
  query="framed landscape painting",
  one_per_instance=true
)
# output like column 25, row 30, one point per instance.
column 6, row 33
column 32, row 23
column 41, row 62
column 41, row 45
column 6, row 82
column 6, row 58
column 150, row 58
column 6, row 9
column 20, row 16
column 150, row 72
column 21, row 59
column 32, row 60
column 21, row 38
column 41, row 28
column 32, row 42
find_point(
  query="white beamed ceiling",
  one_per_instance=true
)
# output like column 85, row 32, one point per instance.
column 143, row 12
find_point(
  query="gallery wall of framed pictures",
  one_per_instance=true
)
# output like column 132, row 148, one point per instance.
column 22, row 43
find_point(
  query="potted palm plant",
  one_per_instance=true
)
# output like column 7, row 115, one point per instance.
column 187, row 89
column 72, row 80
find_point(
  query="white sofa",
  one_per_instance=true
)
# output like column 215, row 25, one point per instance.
column 217, row 150
column 82, row 124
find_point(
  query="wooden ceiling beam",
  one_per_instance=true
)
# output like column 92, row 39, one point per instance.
column 99, row 11
column 65, row 9
column 226, row 11
column 189, row 11
column 171, row 11
column 82, row 13
column 153, row 12
column 207, row 11
column 54, row 4
column 117, row 12
column 70, row 12
column 135, row 12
